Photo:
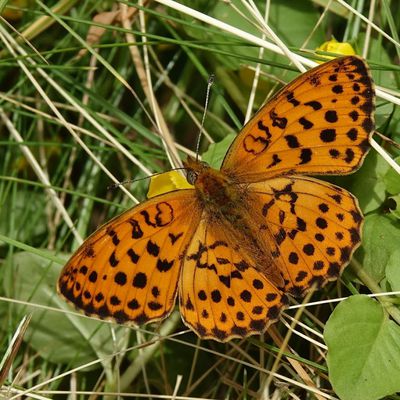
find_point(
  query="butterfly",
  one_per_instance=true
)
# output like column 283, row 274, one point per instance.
column 245, row 236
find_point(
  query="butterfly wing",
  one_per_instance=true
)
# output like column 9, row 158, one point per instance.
column 221, row 295
column 318, row 124
column 314, row 226
column 128, row 270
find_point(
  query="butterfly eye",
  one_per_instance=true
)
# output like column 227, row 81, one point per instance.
column 191, row 176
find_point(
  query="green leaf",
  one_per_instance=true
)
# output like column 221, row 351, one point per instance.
column 393, row 270
column 363, row 350
column 290, row 20
column 380, row 239
column 394, row 206
column 58, row 337
column 216, row 151
column 392, row 180
column 369, row 186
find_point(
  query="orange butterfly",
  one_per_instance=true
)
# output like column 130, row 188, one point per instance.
column 247, row 234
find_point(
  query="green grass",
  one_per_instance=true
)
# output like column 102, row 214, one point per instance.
column 74, row 123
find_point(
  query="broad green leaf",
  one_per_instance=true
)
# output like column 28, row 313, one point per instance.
column 367, row 183
column 363, row 350
column 394, row 206
column 380, row 239
column 392, row 180
column 393, row 270
column 216, row 151
column 376, row 51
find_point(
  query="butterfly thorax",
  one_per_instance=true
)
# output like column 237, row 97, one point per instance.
column 215, row 190
column 225, row 202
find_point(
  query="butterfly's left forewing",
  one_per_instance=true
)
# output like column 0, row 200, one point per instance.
column 128, row 270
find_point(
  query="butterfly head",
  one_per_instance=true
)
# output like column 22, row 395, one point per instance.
column 213, row 187
column 194, row 168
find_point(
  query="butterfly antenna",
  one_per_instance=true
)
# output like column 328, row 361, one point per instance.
column 128, row 181
column 209, row 84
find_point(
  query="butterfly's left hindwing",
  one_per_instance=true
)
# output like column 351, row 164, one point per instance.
column 315, row 228
column 128, row 270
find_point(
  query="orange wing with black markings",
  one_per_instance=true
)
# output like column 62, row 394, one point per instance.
column 128, row 270
column 318, row 124
column 314, row 225
column 223, row 295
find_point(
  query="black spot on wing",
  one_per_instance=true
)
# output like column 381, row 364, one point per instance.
column 292, row 141
column 305, row 156
column 328, row 135
column 120, row 317
column 137, row 231
column 277, row 121
column 305, row 123
column 133, row 304
column 93, row 277
column 315, row 105
column 164, row 265
column 290, row 98
column 174, row 238
column 219, row 334
column 331, row 116
column 114, row 236
column 133, row 256
column 152, row 248
column 113, row 260
column 140, row 280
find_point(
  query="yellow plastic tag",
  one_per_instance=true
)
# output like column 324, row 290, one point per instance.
column 167, row 182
